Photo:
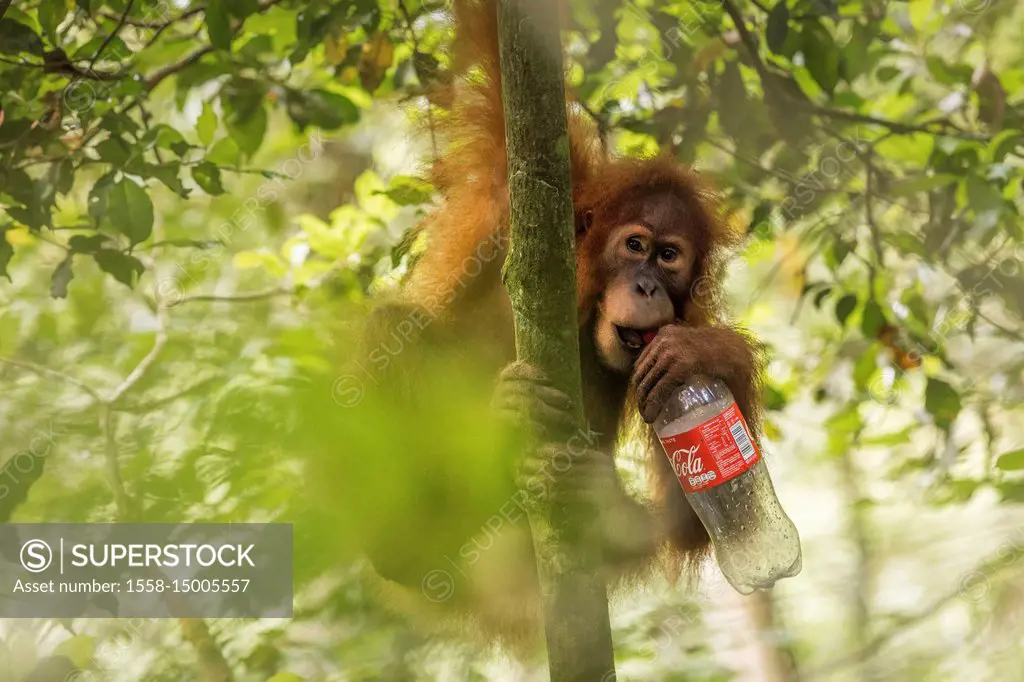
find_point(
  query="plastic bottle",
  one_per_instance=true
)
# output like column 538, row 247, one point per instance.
column 726, row 481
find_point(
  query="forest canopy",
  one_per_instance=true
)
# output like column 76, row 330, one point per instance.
column 194, row 196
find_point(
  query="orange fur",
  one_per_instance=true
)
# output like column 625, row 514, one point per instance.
column 471, row 175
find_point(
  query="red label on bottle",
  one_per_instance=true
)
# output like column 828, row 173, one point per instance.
column 718, row 450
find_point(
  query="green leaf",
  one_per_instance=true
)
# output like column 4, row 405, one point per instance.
column 845, row 307
column 98, row 197
column 165, row 137
column 865, row 367
column 225, row 152
column 1011, row 461
column 409, row 191
column 821, row 57
column 130, row 211
column 774, row 399
column 941, row 401
column 82, row 244
column 248, row 132
column 167, row 173
column 327, row 110
column 242, row 8
column 887, row 73
column 872, row 320
column 79, row 649
column 6, row 253
column 207, row 176
column 114, row 151
column 921, row 183
column 778, row 27
column 206, row 126
column 218, row 24
column 820, row 296
column 982, row 195
column 16, row 37
column 61, row 277
column 125, row 268
column 50, row 15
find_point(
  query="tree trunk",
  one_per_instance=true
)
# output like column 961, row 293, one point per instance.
column 540, row 275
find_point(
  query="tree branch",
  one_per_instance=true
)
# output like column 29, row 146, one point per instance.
column 46, row 371
column 944, row 126
column 142, row 408
column 147, row 362
column 540, row 276
column 156, row 78
column 231, row 298
column 113, row 34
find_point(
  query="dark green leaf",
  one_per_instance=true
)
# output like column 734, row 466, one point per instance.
column 820, row 296
column 778, row 27
column 941, row 401
column 218, row 24
column 1011, row 461
column 98, row 196
column 61, row 277
column 872, row 320
column 82, row 244
column 114, row 151
column 327, row 110
column 16, row 37
column 62, row 175
column 125, row 268
column 886, row 73
column 167, row 173
column 774, row 399
column 821, row 57
column 248, row 132
column 130, row 211
column 207, row 176
column 242, row 8
column 845, row 308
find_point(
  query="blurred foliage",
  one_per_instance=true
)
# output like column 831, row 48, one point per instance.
column 195, row 197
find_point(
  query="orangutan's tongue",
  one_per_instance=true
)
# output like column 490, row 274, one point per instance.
column 649, row 336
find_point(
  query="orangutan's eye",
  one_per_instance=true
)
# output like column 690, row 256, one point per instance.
column 635, row 245
column 668, row 255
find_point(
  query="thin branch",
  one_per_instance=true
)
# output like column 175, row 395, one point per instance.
column 869, row 216
column 945, row 127
column 1012, row 333
column 147, row 362
column 151, row 23
column 748, row 40
column 46, row 371
column 142, row 408
column 158, row 77
column 939, row 126
column 112, row 458
column 64, row 67
column 4, row 4
column 171, row 69
column 231, row 298
column 113, row 34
